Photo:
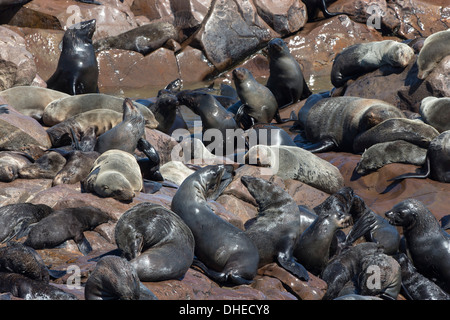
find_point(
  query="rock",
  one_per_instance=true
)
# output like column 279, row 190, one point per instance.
column 21, row 190
column 17, row 66
column 284, row 17
column 231, row 32
column 401, row 87
column 316, row 45
column 194, row 67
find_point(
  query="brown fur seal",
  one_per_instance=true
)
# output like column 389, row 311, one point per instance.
column 277, row 226
column 17, row 218
column 77, row 70
column 413, row 131
column 115, row 174
column 362, row 58
column 115, row 279
column 77, row 168
column 383, row 153
column 125, row 135
column 286, row 79
column 66, row 224
column 258, row 102
column 347, row 117
column 437, row 164
column 156, row 241
column 225, row 253
column 312, row 248
column 46, row 167
column 427, row 243
column 10, row 164
column 436, row 112
column 435, row 48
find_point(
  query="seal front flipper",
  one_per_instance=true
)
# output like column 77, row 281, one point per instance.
column 83, row 244
column 328, row 14
column 445, row 222
column 325, row 145
column 221, row 277
column 418, row 175
column 288, row 262
column 360, row 228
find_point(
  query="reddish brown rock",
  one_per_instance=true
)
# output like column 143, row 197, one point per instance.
column 243, row 210
column 21, row 190
column 194, row 66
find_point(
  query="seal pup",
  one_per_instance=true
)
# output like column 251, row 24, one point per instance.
column 415, row 286
column 427, row 243
column 18, row 258
column 17, row 218
column 286, row 79
column 414, row 131
column 115, row 279
column 125, row 135
column 344, row 266
column 383, row 153
column 362, row 58
column 156, row 241
column 436, row 112
column 10, row 164
column 66, row 224
column 372, row 227
column 46, row 167
column 77, row 168
column 225, row 253
column 435, row 48
column 277, row 226
column 115, row 174
column 312, row 248
column 165, row 110
column 77, row 70
column 437, row 164
column 347, row 117
column 258, row 102
column 23, row 287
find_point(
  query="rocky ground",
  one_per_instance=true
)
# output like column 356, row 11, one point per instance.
column 213, row 37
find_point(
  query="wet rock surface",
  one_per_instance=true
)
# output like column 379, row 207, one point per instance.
column 211, row 38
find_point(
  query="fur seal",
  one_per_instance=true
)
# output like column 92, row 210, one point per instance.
column 296, row 163
column 101, row 120
column 23, row 287
column 436, row 112
column 46, row 167
column 143, row 39
column 17, row 218
column 415, row 286
column 362, row 58
column 268, row 134
column 61, row 109
column 286, row 79
column 30, row 100
column 156, row 241
column 277, row 226
column 165, row 110
column 437, row 164
column 115, row 279
column 343, row 267
column 373, row 227
column 77, row 168
column 125, row 135
column 347, row 117
column 413, row 131
column 77, row 70
column 435, row 48
column 66, row 224
column 18, row 258
column 115, row 174
column 381, row 154
column 313, row 6
column 427, row 243
column 225, row 253
column 312, row 248
column 258, row 102
column 10, row 164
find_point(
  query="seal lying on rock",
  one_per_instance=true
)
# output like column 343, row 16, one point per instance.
column 115, row 174
column 277, row 226
column 435, row 48
column 427, row 243
column 66, row 224
column 225, row 253
column 156, row 241
column 362, row 58
column 10, row 164
column 436, row 112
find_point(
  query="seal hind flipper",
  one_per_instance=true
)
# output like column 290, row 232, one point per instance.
column 83, row 244
column 328, row 14
column 424, row 175
column 322, row 146
column 56, row 274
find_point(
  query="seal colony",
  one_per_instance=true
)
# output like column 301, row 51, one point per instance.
column 102, row 151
